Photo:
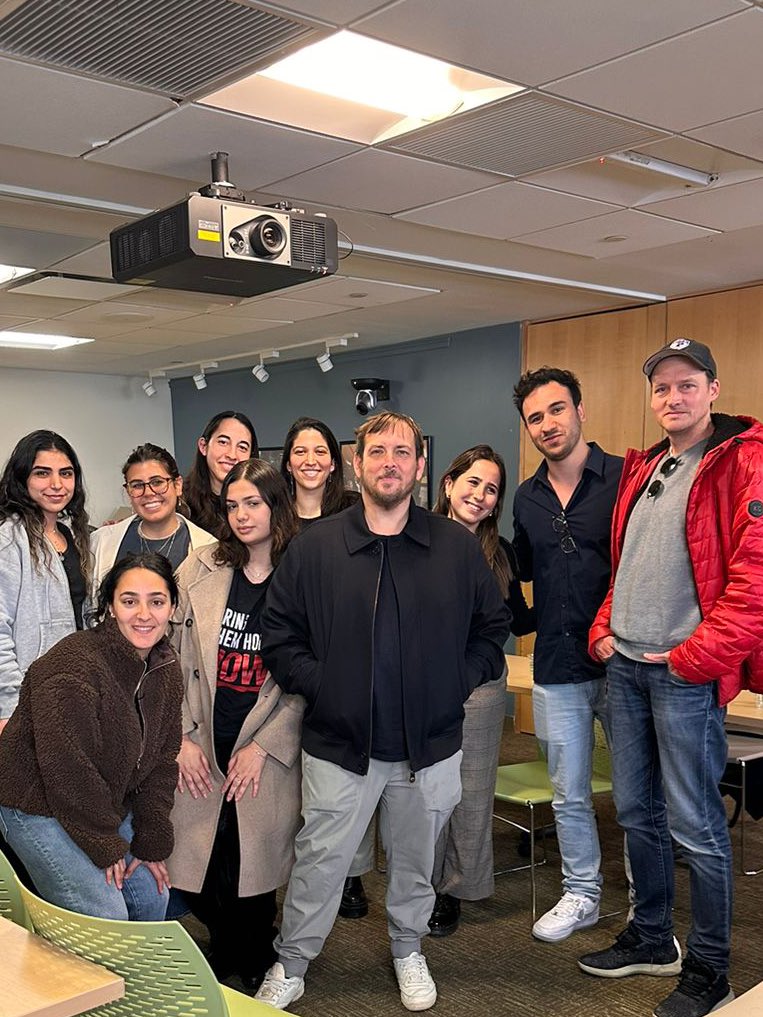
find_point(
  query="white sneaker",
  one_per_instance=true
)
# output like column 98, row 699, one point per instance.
column 417, row 988
column 278, row 990
column 570, row 914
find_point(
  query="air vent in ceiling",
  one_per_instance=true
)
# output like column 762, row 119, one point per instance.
column 523, row 134
column 177, row 47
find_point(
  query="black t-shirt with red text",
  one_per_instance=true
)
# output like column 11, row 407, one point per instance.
column 240, row 670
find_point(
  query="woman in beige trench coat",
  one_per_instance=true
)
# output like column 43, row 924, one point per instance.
column 237, row 807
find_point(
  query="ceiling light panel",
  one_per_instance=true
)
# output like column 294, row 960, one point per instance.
column 177, row 47
column 39, row 341
column 522, row 134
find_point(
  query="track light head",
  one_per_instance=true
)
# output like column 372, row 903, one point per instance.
column 260, row 372
column 324, row 361
column 200, row 380
column 149, row 388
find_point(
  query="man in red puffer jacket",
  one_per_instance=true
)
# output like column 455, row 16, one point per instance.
column 681, row 631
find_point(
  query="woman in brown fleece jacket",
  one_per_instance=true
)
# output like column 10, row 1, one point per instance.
column 88, row 759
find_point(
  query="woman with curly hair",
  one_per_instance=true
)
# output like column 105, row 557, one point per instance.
column 44, row 555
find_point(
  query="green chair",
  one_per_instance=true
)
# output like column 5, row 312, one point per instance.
column 528, row 784
column 11, row 903
column 165, row 973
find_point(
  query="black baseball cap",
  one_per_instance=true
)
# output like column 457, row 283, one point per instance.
column 698, row 353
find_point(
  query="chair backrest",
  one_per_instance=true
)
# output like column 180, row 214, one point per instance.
column 11, row 902
column 165, row 973
column 602, row 761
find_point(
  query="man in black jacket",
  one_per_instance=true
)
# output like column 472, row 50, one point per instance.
column 384, row 618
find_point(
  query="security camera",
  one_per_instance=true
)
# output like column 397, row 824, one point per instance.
column 370, row 392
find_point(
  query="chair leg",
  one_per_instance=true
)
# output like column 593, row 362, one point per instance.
column 742, row 825
column 533, row 888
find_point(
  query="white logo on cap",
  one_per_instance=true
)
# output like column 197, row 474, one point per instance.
column 680, row 344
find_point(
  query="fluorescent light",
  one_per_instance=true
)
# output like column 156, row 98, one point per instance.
column 10, row 272
column 38, row 341
column 668, row 169
column 350, row 86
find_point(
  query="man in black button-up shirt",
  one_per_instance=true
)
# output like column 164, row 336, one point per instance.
column 562, row 517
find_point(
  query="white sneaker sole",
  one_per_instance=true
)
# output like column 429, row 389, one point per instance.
column 424, row 1003
column 558, row 936
column 281, row 1005
column 658, row 970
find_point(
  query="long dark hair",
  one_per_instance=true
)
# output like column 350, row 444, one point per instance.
column 334, row 498
column 284, row 523
column 15, row 500
column 487, row 529
column 148, row 560
column 204, row 506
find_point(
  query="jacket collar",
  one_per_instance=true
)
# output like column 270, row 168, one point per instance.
column 725, row 427
column 358, row 536
column 594, row 463
column 126, row 660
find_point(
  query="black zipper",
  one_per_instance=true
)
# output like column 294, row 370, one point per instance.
column 139, row 709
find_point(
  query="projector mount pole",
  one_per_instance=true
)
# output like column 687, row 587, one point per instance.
column 221, row 187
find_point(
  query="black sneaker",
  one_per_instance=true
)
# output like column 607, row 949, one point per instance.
column 445, row 915
column 354, row 901
column 700, row 990
column 629, row 955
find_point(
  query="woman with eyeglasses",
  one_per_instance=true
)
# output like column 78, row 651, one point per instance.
column 228, row 438
column 471, row 492
column 237, row 807
column 44, row 555
column 154, row 486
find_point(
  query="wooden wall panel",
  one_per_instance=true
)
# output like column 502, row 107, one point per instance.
column 731, row 323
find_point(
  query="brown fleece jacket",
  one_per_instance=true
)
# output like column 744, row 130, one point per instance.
column 75, row 748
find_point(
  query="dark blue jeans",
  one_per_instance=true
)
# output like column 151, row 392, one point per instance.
column 668, row 755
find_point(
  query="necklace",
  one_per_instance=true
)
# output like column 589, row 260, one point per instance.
column 166, row 547
column 256, row 575
column 56, row 538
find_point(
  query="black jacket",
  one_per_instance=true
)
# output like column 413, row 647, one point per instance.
column 318, row 632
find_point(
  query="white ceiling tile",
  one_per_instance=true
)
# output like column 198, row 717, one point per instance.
column 12, row 321
column 705, row 75
column 507, row 210
column 35, row 307
column 212, row 325
column 628, row 184
column 96, row 261
column 739, row 134
column 71, row 289
column 334, row 12
column 282, row 309
column 353, row 292
column 259, row 152
column 725, row 208
column 43, row 109
column 129, row 316
column 588, row 238
column 37, row 249
column 382, row 182
column 534, row 42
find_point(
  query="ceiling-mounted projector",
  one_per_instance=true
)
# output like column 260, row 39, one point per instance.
column 217, row 242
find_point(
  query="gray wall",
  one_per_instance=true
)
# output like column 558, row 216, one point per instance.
column 458, row 388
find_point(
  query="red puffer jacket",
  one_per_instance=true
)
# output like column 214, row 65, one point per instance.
column 724, row 531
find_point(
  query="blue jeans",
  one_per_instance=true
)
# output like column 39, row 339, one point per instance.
column 64, row 875
column 564, row 716
column 668, row 755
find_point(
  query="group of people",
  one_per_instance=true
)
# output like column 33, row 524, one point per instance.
column 215, row 698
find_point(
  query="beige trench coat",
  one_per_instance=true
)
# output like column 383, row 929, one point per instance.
column 268, row 823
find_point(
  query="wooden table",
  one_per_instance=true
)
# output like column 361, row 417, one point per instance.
column 42, row 980
column 742, row 714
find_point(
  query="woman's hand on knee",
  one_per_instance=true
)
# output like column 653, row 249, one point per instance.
column 194, row 769
column 157, row 869
column 245, row 768
column 116, row 873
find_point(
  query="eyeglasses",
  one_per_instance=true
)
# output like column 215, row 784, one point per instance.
column 158, row 485
column 668, row 468
column 562, row 527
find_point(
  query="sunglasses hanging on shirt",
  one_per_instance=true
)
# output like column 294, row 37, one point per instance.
column 667, row 469
column 562, row 527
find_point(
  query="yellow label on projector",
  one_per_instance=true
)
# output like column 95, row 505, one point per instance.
column 208, row 235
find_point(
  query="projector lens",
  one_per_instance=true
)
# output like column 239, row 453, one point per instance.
column 267, row 237
column 237, row 242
